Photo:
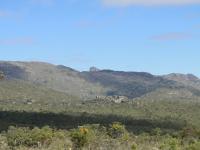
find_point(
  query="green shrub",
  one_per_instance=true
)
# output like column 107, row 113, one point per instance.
column 42, row 136
column 3, row 143
column 117, row 130
column 190, row 132
column 28, row 137
column 80, row 137
column 194, row 146
column 134, row 146
column 18, row 136
column 156, row 132
column 170, row 144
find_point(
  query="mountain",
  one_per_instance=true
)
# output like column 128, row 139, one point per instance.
column 185, row 79
column 12, row 91
column 130, row 84
column 95, row 82
column 59, row 78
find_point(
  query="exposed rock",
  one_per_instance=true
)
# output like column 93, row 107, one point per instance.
column 29, row 101
column 182, row 77
column 115, row 99
column 94, row 69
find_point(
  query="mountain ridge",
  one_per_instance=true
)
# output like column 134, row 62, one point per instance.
column 96, row 82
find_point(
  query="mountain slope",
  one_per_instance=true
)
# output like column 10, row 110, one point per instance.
column 22, row 92
column 59, row 78
column 185, row 79
column 130, row 84
column 89, row 84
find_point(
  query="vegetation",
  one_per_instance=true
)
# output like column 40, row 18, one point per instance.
column 93, row 137
column 162, row 125
column 2, row 76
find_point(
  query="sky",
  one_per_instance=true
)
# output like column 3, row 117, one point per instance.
column 157, row 36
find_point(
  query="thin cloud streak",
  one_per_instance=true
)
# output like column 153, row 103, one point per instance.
column 17, row 41
column 123, row 3
column 4, row 13
column 172, row 36
column 43, row 2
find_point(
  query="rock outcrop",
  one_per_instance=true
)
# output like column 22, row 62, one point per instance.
column 115, row 99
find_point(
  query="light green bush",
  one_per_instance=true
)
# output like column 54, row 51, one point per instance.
column 170, row 144
column 134, row 146
column 28, row 137
column 80, row 137
column 117, row 130
column 194, row 146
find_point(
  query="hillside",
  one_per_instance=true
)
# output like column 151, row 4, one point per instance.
column 20, row 92
column 186, row 79
column 89, row 84
column 59, row 78
column 137, row 84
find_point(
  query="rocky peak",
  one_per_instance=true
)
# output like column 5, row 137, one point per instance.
column 186, row 77
column 94, row 69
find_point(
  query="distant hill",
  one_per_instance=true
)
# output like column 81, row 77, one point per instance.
column 185, row 79
column 59, row 78
column 24, row 92
column 89, row 84
column 131, row 84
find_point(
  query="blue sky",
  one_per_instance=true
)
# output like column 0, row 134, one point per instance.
column 159, row 37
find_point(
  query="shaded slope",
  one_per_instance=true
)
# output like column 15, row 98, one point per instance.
column 130, row 84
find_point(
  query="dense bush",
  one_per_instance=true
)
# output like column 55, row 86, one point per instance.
column 156, row 132
column 80, row 137
column 171, row 143
column 134, row 146
column 190, row 132
column 165, row 130
column 117, row 130
column 95, row 137
column 28, row 137
column 194, row 146
column 3, row 143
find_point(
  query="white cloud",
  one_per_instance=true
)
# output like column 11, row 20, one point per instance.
column 149, row 2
